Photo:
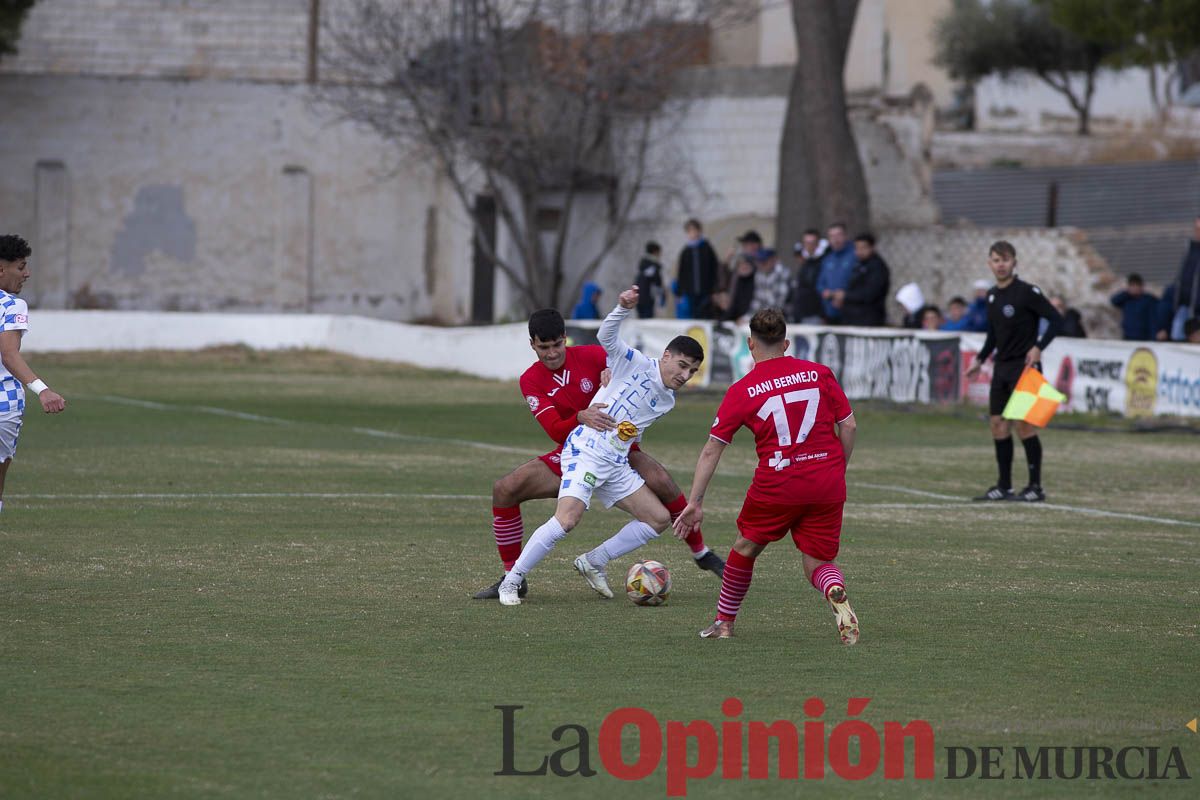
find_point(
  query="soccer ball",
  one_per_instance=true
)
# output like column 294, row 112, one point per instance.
column 648, row 583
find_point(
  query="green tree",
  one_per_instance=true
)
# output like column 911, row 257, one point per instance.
column 12, row 14
column 1151, row 33
column 975, row 39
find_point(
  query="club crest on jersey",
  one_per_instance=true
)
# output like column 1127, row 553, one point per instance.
column 1008, row 310
column 626, row 430
column 20, row 319
column 586, row 385
column 533, row 402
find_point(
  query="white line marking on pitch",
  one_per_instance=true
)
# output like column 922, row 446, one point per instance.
column 373, row 432
column 249, row 495
column 1095, row 512
column 225, row 412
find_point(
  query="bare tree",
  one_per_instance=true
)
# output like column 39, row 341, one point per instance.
column 534, row 103
column 820, row 176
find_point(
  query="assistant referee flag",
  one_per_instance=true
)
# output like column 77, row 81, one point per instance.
column 1034, row 400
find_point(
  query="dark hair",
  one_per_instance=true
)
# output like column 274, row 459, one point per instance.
column 1003, row 249
column 957, row 299
column 14, row 248
column 865, row 237
column 811, row 232
column 1191, row 326
column 693, row 223
column 653, row 248
column 686, row 346
column 1135, row 278
column 547, row 325
column 926, row 309
column 841, row 225
column 769, row 326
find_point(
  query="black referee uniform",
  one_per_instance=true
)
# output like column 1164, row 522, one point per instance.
column 1014, row 313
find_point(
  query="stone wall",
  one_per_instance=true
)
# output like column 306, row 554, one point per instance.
column 946, row 261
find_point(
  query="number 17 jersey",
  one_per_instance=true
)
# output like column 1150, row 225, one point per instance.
column 791, row 406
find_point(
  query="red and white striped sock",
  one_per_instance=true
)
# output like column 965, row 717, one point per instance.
column 695, row 539
column 509, row 531
column 739, row 571
column 826, row 576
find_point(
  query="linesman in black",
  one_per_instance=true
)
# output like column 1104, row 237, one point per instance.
column 1014, row 309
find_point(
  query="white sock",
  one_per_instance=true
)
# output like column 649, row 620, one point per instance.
column 538, row 547
column 630, row 538
column 702, row 553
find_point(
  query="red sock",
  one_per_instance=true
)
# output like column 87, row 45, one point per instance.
column 695, row 539
column 739, row 571
column 827, row 575
column 508, row 530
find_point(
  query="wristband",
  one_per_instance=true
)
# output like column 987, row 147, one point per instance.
column 37, row 386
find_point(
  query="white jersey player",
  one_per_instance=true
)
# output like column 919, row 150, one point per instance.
column 596, row 463
column 15, row 374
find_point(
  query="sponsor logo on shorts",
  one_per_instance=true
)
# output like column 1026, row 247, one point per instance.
column 533, row 402
column 589, row 479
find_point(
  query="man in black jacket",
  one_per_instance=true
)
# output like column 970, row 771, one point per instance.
column 649, row 280
column 864, row 300
column 806, row 298
column 697, row 275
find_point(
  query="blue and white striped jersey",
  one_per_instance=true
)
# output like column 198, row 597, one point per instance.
column 14, row 316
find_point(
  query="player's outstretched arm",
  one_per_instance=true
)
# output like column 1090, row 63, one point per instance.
column 706, row 466
column 622, row 358
column 10, row 353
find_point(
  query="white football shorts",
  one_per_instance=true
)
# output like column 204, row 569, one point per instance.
column 584, row 476
column 10, row 429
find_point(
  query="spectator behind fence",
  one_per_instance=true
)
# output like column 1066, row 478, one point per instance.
column 977, row 311
column 806, row 299
column 956, row 315
column 931, row 318
column 1187, row 288
column 1138, row 310
column 650, row 281
column 770, row 283
column 1072, row 320
column 697, row 273
column 864, row 300
column 836, row 267
column 586, row 308
column 1191, row 330
column 912, row 300
column 741, row 290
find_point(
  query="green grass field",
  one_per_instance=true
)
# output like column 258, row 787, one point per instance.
column 232, row 574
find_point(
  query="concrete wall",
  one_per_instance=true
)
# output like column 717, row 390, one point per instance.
column 248, row 39
column 220, row 195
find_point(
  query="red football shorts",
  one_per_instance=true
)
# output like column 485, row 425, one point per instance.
column 553, row 459
column 816, row 528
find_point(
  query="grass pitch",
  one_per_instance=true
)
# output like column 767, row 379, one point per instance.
column 240, row 575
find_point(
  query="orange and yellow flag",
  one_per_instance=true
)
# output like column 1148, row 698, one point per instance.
column 1034, row 400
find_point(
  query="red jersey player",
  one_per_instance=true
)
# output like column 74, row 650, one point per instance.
column 558, row 389
column 804, row 431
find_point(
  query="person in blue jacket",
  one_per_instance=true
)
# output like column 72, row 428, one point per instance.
column 586, row 308
column 1139, row 310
